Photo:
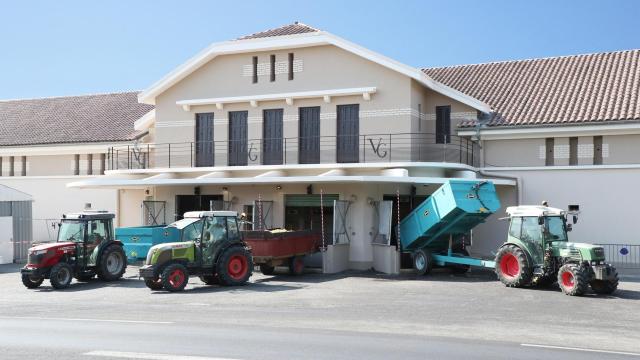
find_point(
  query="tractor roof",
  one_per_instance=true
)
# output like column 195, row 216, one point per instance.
column 534, row 210
column 201, row 214
column 90, row 215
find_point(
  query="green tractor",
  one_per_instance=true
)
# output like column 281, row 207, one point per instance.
column 211, row 247
column 538, row 252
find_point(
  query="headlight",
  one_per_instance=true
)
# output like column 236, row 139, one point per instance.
column 39, row 252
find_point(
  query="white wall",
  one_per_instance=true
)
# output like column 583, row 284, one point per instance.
column 52, row 199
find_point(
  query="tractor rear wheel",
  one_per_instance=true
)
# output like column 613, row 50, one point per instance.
column 174, row 277
column 154, row 284
column 266, row 269
column 31, row 282
column 61, row 275
column 422, row 261
column 572, row 279
column 512, row 266
column 460, row 268
column 210, row 279
column 234, row 266
column 606, row 286
column 296, row 265
column 113, row 263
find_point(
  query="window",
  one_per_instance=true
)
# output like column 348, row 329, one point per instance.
column 272, row 67
column 24, row 166
column 597, row 150
column 215, row 229
column 290, row 66
column 232, row 228
column 103, row 163
column 89, row 164
column 247, row 224
column 554, row 229
column 549, row 144
column 72, row 231
column 98, row 231
column 76, row 164
column 573, row 151
column 514, row 229
column 255, row 69
column 191, row 232
column 531, row 230
column 443, row 124
column 1, row 163
column 12, row 166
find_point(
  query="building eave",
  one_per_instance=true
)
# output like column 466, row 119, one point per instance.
column 498, row 133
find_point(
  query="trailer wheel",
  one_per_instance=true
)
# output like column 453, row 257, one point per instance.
column 31, row 282
column 606, row 286
column 174, row 277
column 234, row 266
column 512, row 266
column 422, row 261
column 572, row 280
column 61, row 275
column 113, row 263
column 267, row 269
column 460, row 268
column 153, row 284
column 210, row 279
column 296, row 265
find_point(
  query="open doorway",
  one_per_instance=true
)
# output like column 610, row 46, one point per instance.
column 185, row 203
column 407, row 204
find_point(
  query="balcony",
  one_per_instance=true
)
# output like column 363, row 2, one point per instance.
column 372, row 148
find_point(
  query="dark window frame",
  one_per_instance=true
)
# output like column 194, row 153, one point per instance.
column 597, row 150
column 272, row 67
column 76, row 164
column 255, row 70
column 290, row 66
column 443, row 124
column 23, row 170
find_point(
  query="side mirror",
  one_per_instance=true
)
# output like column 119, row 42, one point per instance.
column 575, row 219
column 243, row 216
column 540, row 220
column 569, row 227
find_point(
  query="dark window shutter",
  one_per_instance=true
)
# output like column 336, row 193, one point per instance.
column 273, row 67
column 89, row 164
column 597, row 150
column 573, row 151
column 290, row 66
column 549, row 144
column 443, row 124
column 255, row 69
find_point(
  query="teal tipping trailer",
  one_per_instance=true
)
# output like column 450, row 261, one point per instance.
column 435, row 231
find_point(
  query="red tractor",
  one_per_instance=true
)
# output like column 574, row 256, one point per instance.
column 85, row 248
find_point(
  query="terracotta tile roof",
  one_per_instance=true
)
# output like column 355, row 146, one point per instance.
column 71, row 119
column 291, row 29
column 567, row 90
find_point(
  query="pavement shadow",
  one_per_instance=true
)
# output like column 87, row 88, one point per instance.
column 250, row 287
column 446, row 275
column 132, row 283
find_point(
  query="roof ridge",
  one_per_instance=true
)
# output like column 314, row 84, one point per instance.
column 252, row 35
column 71, row 96
column 530, row 59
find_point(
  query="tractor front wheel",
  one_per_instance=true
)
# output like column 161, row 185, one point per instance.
column 174, row 277
column 512, row 266
column 61, row 275
column 113, row 263
column 234, row 266
column 154, row 284
column 422, row 261
column 572, row 280
column 31, row 282
column 606, row 286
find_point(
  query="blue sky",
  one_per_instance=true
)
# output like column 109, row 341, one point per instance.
column 54, row 48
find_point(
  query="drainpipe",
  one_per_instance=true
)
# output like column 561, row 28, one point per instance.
column 482, row 120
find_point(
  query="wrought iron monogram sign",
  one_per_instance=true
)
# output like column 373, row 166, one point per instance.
column 379, row 148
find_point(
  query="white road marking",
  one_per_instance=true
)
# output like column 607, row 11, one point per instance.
column 87, row 320
column 148, row 356
column 581, row 349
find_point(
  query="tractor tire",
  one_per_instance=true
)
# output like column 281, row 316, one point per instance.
column 422, row 261
column 31, row 282
column 512, row 266
column 460, row 268
column 267, row 269
column 210, row 279
column 113, row 263
column 573, row 279
column 174, row 277
column 61, row 275
column 154, row 284
column 605, row 287
column 234, row 266
column 84, row 278
column 296, row 265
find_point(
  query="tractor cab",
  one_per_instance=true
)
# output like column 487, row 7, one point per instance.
column 89, row 231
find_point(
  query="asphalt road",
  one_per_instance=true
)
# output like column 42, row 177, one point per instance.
column 317, row 317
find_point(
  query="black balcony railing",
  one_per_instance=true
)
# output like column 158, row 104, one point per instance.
column 373, row 148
